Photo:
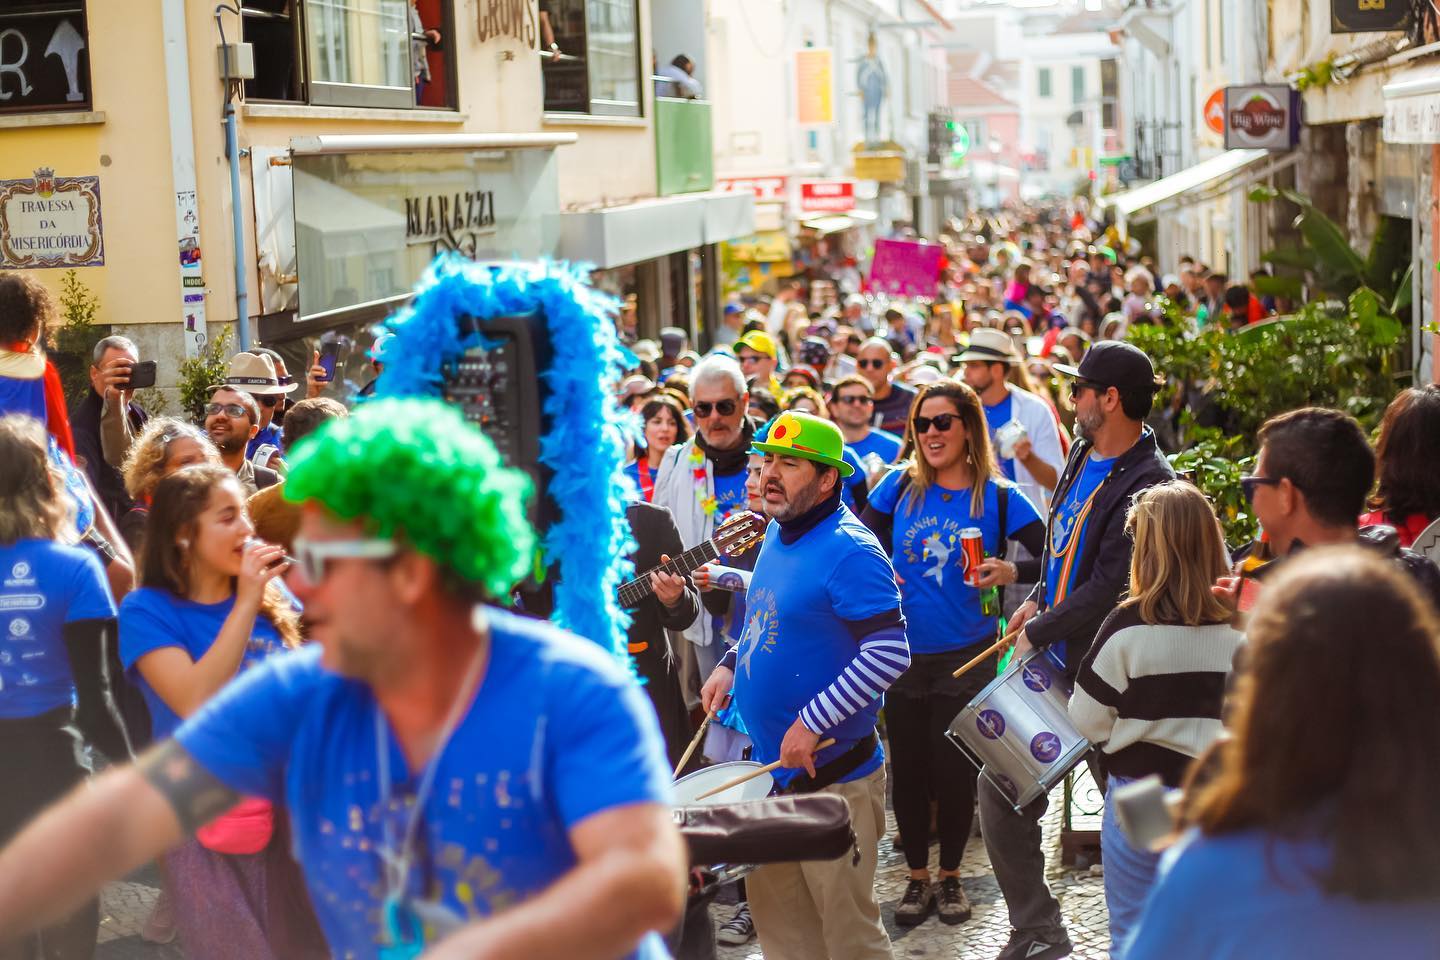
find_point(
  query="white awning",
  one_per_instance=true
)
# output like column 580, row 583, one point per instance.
column 1412, row 107
column 1191, row 178
column 614, row 236
column 834, row 223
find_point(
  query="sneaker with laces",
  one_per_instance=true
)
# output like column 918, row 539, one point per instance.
column 1030, row 945
column 917, row 904
column 739, row 929
column 953, row 906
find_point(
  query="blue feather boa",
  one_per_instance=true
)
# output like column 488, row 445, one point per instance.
column 585, row 445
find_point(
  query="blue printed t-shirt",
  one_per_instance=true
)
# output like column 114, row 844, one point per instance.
column 942, row 611
column 996, row 417
column 43, row 586
column 270, row 433
column 882, row 443
column 151, row 619
column 797, row 638
column 1262, row 899
column 557, row 732
column 1062, row 525
column 730, row 495
column 856, row 481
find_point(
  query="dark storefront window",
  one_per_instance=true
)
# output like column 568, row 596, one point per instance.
column 44, row 63
column 598, row 69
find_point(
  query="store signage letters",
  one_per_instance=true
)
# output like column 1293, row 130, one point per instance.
column 450, row 221
column 50, row 221
column 1366, row 16
column 827, row 196
column 42, row 63
column 1412, row 120
column 1260, row 117
column 514, row 19
column 766, row 189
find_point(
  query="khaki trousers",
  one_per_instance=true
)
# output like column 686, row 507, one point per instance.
column 826, row 910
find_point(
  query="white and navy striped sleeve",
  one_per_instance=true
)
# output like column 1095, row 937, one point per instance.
column 884, row 654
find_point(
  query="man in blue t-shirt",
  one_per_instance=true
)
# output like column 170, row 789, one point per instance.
column 457, row 780
column 823, row 640
column 852, row 406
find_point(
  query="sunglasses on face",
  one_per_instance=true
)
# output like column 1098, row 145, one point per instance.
column 725, row 408
column 1250, row 484
column 233, row 410
column 855, row 398
column 941, row 422
column 1081, row 386
column 267, row 399
column 872, row 364
column 313, row 557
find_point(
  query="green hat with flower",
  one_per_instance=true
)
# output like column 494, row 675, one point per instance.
column 808, row 437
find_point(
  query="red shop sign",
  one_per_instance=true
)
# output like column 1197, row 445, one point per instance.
column 827, row 196
column 766, row 189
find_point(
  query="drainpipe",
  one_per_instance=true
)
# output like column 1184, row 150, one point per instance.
column 182, row 168
column 232, row 154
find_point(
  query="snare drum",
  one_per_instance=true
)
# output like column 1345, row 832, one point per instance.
column 690, row 786
column 1019, row 727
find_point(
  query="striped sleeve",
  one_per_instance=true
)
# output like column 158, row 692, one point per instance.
column 1099, row 686
column 883, row 656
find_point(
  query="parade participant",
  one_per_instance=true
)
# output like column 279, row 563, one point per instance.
column 876, row 362
column 854, row 489
column 824, row 638
column 254, row 374
column 457, row 778
column 758, row 356
column 55, row 612
column 920, row 513
column 209, row 608
column 852, row 403
column 1407, row 461
column 1149, row 692
column 231, row 421
column 701, row 482
column 163, row 447
column 1295, row 853
column 1312, row 475
column 665, row 426
column 29, row 382
column 1037, row 457
column 1084, row 570
column 276, row 519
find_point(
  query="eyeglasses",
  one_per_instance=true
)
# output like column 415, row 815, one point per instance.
column 872, row 364
column 725, row 408
column 1252, row 483
column 855, row 398
column 267, row 399
column 286, row 380
column 1082, row 385
column 234, row 410
column 941, row 422
column 311, row 558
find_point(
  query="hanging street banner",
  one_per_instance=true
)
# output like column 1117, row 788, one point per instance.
column 50, row 221
column 906, row 268
column 814, row 87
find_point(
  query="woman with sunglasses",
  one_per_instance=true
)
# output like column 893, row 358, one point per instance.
column 163, row 447
column 920, row 512
column 665, row 426
column 210, row 606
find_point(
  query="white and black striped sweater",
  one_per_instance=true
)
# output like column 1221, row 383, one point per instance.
column 1151, row 693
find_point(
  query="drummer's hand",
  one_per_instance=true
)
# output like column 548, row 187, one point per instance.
column 1022, row 616
column 798, row 747
column 996, row 572
column 668, row 587
column 717, row 689
column 701, row 578
column 1022, row 647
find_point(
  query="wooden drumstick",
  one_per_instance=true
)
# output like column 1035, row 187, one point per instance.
column 745, row 778
column 693, row 744
column 996, row 647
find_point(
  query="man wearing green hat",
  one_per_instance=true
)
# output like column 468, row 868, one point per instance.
column 823, row 640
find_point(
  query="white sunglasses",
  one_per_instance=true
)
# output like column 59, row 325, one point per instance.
column 311, row 558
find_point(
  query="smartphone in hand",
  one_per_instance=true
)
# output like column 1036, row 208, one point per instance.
column 329, row 353
column 142, row 375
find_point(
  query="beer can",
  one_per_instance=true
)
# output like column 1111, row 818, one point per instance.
column 970, row 542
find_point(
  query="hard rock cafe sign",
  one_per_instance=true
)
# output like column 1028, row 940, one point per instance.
column 50, row 221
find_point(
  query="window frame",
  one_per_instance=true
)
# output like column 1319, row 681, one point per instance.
column 611, row 109
column 1045, row 83
column 56, row 8
column 1077, row 85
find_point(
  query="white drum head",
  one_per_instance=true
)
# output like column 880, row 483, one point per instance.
column 688, row 787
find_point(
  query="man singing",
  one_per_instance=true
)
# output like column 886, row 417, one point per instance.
column 823, row 640
column 459, row 782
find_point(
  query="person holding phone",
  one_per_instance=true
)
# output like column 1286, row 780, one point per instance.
column 211, row 606
column 108, row 420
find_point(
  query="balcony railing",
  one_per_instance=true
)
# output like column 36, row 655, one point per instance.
column 684, row 149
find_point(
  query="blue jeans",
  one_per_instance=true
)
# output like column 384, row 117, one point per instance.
column 1129, row 872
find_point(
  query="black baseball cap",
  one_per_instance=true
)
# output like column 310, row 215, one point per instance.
column 1114, row 363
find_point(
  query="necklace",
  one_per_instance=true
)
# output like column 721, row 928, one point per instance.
column 702, row 484
column 403, row 927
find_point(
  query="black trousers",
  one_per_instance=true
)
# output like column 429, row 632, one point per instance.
column 38, row 755
column 919, row 708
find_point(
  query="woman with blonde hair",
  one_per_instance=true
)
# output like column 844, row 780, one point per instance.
column 920, row 512
column 1150, row 688
column 163, row 447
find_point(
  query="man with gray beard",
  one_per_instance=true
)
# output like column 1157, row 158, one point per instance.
column 1085, row 569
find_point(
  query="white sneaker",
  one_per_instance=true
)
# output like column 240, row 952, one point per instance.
column 738, row 930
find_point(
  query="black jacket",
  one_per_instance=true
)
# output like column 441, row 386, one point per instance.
column 1103, row 571
column 107, row 481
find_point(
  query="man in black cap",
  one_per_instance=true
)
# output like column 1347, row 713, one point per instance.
column 1083, row 575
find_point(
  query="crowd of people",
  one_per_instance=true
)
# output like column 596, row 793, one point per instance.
column 288, row 617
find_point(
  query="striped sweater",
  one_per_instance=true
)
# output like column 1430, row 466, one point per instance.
column 1151, row 693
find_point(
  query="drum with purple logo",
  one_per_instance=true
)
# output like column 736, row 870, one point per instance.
column 1019, row 729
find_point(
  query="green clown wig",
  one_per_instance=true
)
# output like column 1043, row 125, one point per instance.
column 418, row 471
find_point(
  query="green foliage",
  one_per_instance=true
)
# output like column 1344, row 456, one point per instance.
column 198, row 374
column 76, row 337
column 1215, row 463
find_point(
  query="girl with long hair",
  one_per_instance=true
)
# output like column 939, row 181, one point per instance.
column 1149, row 689
column 1311, row 829
column 163, row 447
column 1407, row 460
column 210, row 605
column 664, row 424
column 54, row 600
column 920, row 512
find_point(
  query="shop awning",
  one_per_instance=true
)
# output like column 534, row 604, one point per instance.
column 633, row 232
column 834, row 223
column 349, row 224
column 1203, row 174
column 1412, row 107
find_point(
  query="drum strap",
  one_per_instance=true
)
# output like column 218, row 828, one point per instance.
column 832, row 772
